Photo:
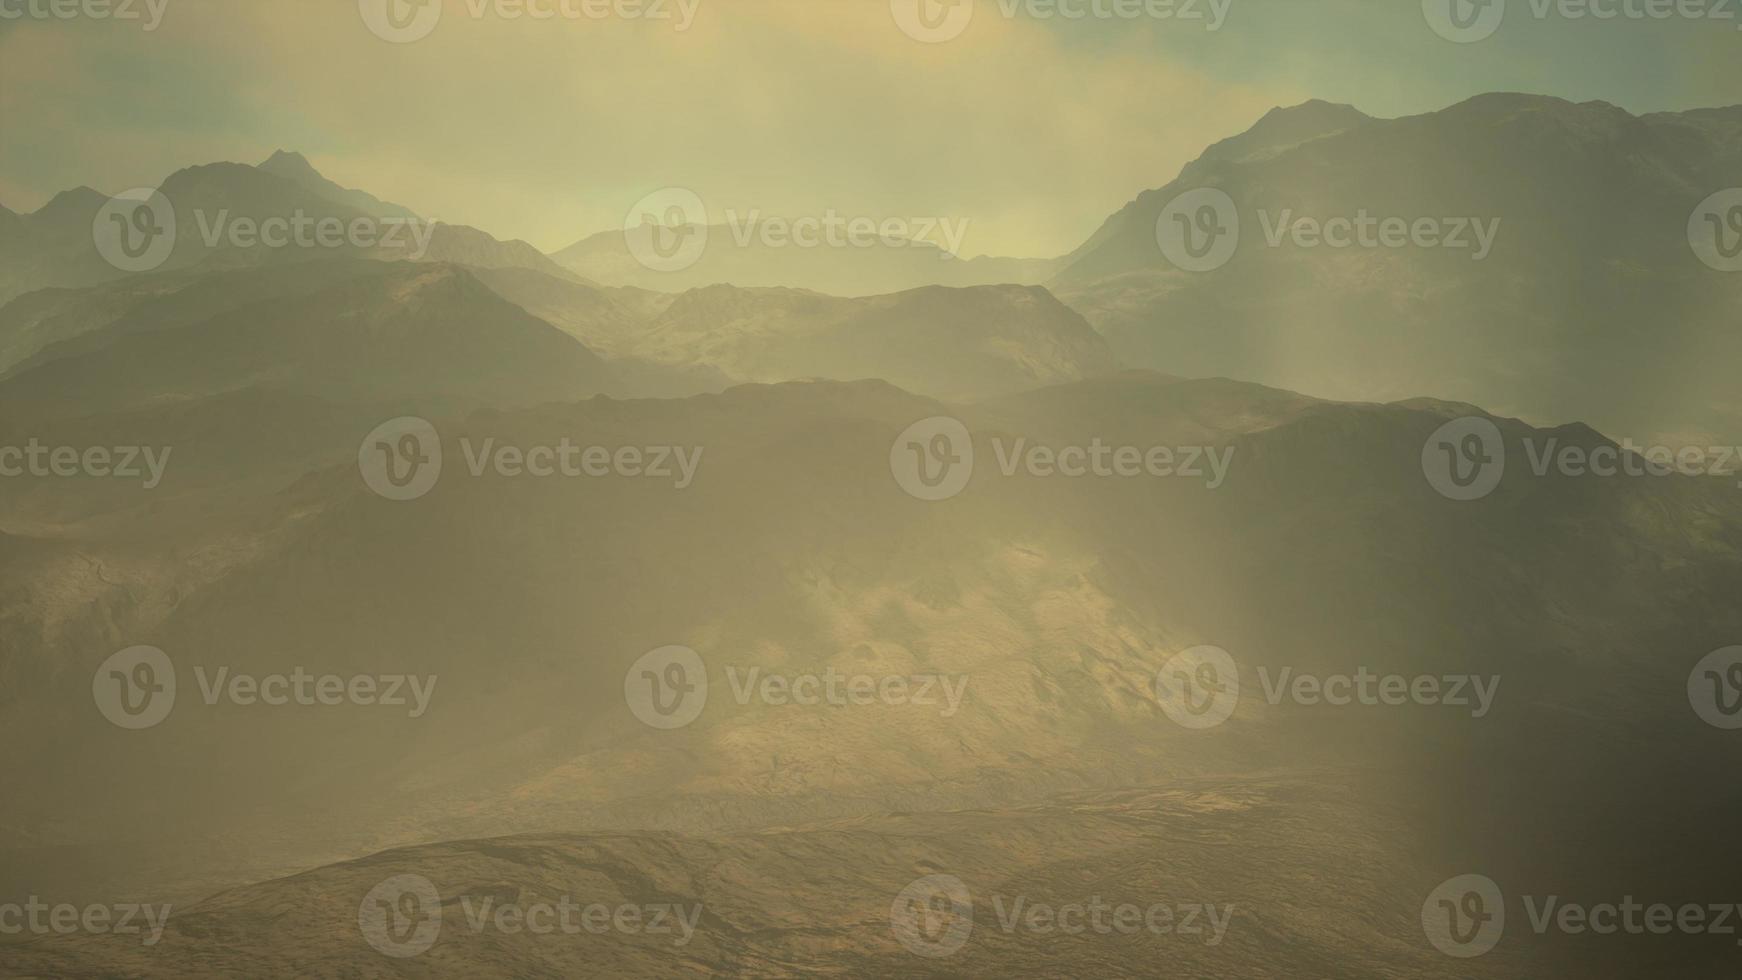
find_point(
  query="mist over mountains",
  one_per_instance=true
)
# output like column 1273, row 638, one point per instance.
column 1528, row 189
column 496, row 482
column 1634, row 337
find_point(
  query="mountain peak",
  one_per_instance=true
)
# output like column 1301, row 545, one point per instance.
column 289, row 163
column 294, row 167
column 79, row 200
column 1287, row 126
column 1512, row 103
column 1315, row 112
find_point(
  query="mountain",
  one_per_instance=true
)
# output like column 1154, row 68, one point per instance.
column 459, row 244
column 314, row 351
column 1284, row 129
column 468, row 246
column 52, row 245
column 67, row 215
column 223, row 220
column 419, row 332
column 597, row 317
column 823, row 900
column 880, row 267
column 295, row 167
column 949, row 343
column 236, row 191
column 991, row 669
column 1055, row 602
column 1590, row 305
column 45, row 317
column 953, row 343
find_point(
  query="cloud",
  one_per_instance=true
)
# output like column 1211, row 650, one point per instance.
column 549, row 129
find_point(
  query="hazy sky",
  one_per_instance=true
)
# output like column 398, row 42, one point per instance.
column 1033, row 129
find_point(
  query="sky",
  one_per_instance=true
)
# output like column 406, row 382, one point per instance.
column 1029, row 126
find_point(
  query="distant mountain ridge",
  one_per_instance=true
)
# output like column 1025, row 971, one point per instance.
column 296, row 167
column 54, row 246
column 839, row 270
column 1591, row 305
column 970, row 342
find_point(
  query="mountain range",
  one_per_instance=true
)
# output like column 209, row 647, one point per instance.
column 1635, row 339
column 1590, row 306
column 784, row 543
